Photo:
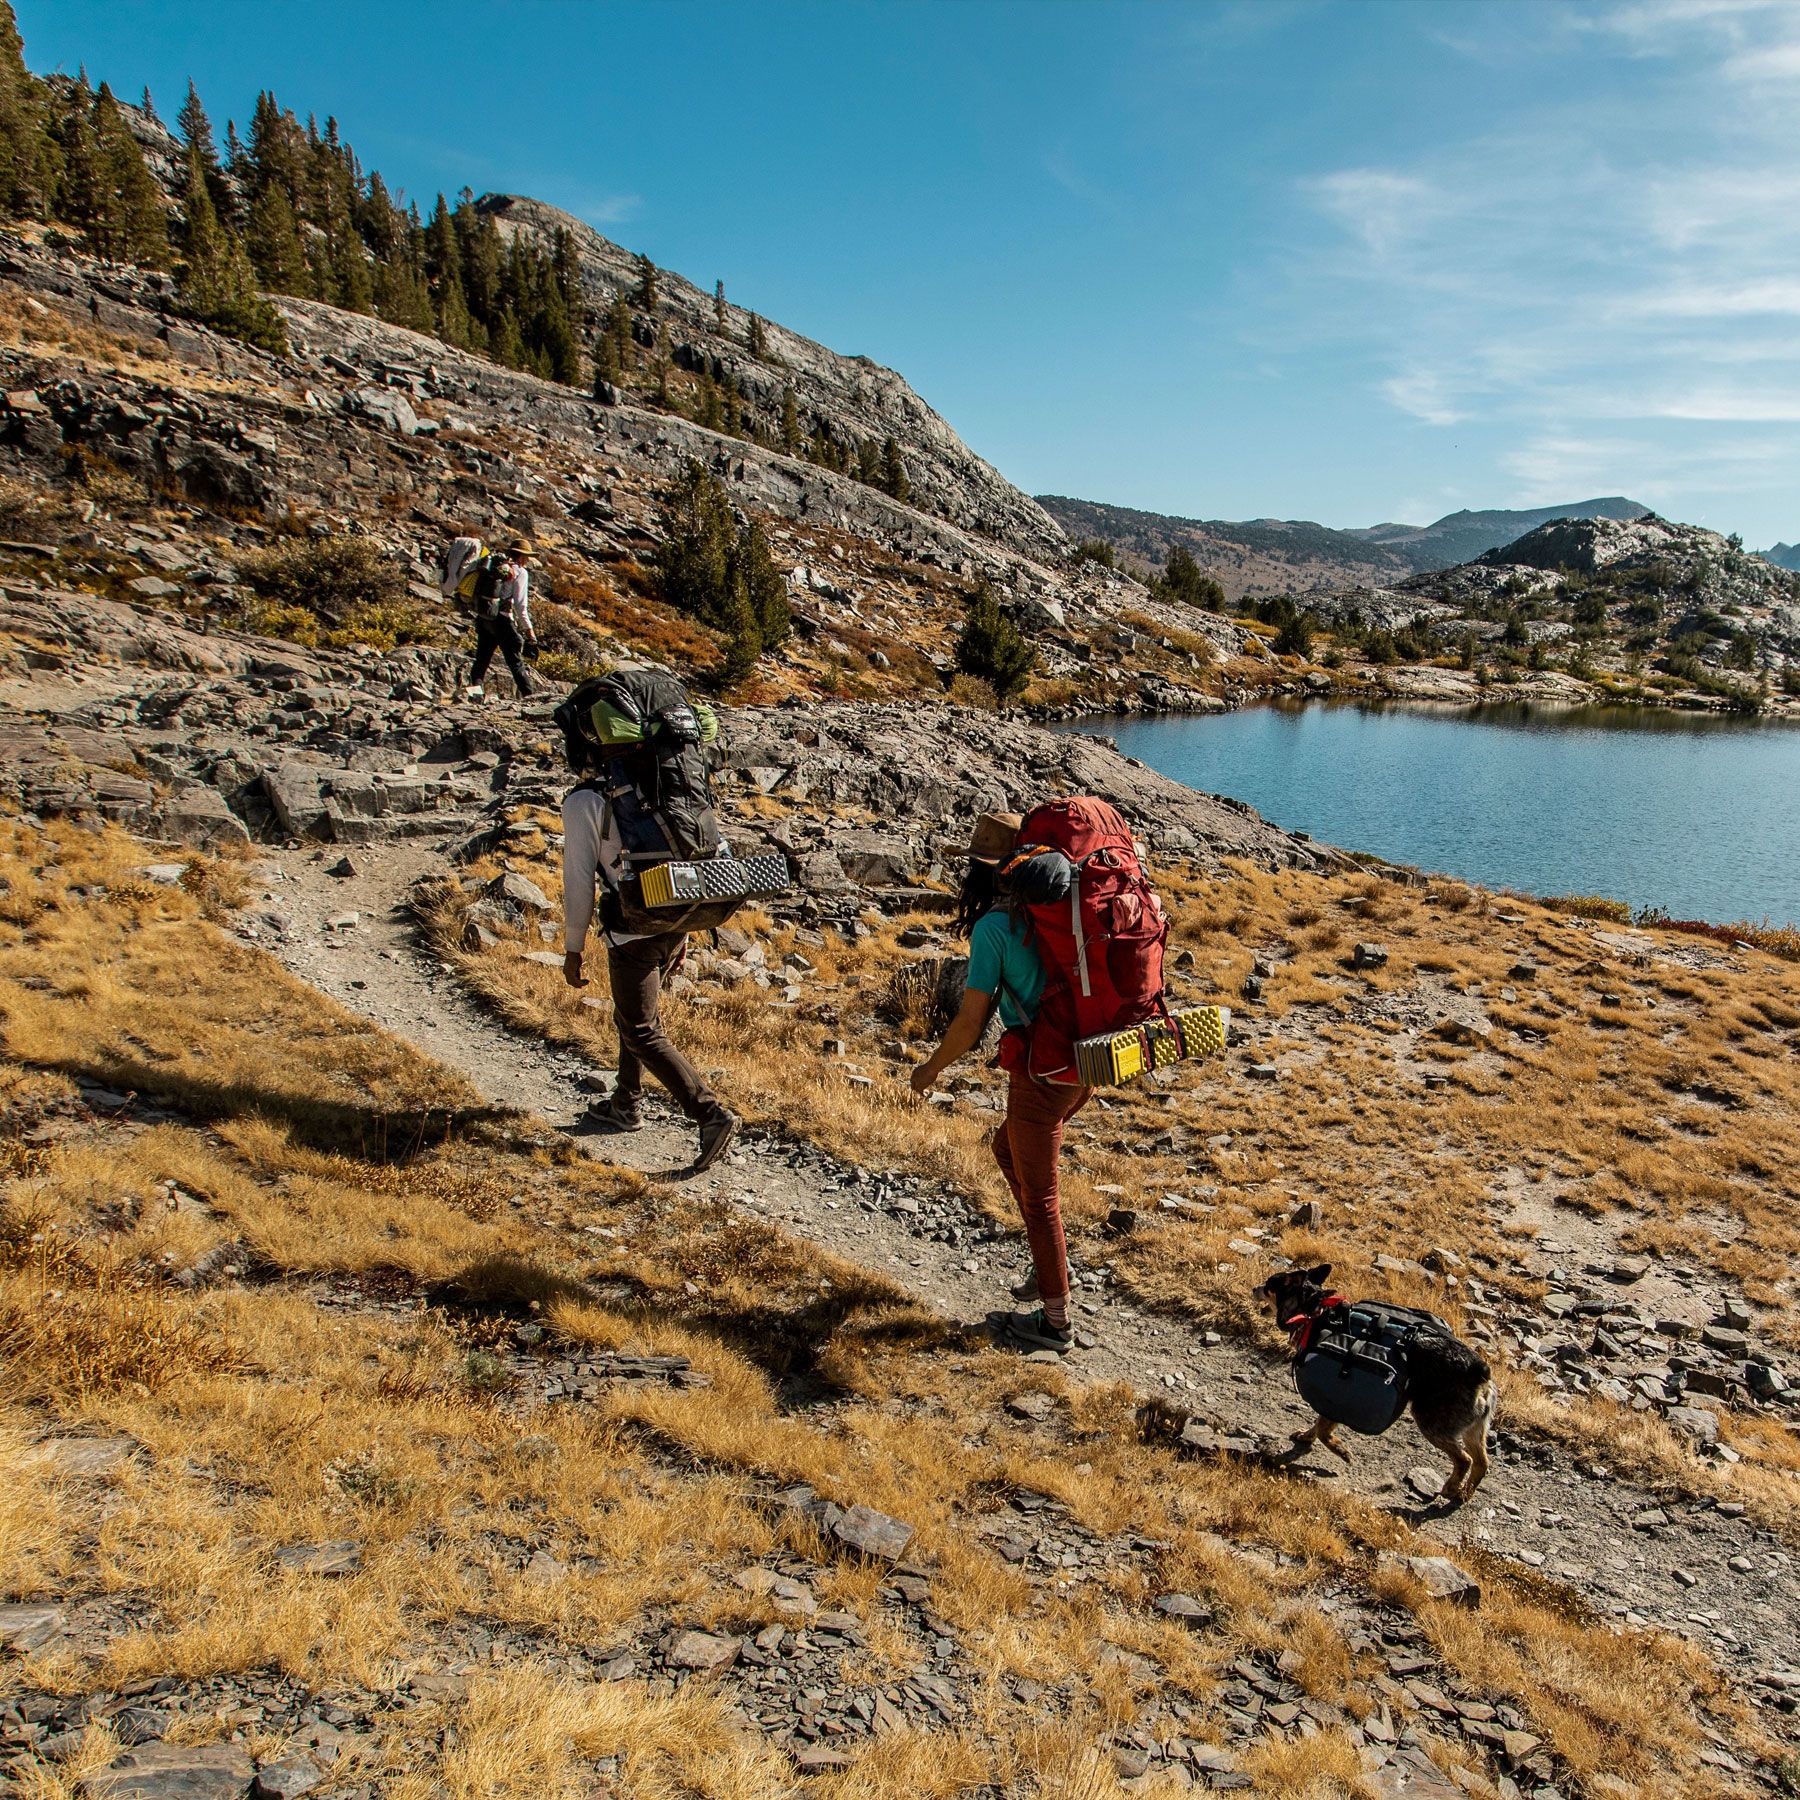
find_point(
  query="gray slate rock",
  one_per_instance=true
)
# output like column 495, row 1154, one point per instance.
column 873, row 1533
column 173, row 1772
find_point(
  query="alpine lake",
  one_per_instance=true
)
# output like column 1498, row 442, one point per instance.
column 1697, row 814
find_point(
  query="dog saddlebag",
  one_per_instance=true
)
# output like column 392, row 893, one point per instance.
column 1353, row 1370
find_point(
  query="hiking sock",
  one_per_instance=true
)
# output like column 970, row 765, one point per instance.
column 1056, row 1312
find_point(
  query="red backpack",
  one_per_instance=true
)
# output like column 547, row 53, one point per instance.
column 1102, row 947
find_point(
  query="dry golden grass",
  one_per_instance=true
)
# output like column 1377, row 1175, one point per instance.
column 267, row 1419
column 1614, row 1106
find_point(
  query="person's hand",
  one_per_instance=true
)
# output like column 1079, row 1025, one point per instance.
column 572, row 970
column 924, row 1079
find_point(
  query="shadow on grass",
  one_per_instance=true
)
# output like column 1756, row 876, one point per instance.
column 362, row 1129
column 505, row 1287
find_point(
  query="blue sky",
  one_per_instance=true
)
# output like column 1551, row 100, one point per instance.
column 1348, row 260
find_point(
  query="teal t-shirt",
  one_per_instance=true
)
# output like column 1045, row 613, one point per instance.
column 1003, row 961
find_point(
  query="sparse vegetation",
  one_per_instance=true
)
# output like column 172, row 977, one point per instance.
column 721, row 572
column 991, row 647
column 334, row 582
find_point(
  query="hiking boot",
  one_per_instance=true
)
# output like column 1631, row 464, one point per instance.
column 475, row 693
column 716, row 1133
column 616, row 1113
column 1035, row 1330
column 1026, row 1290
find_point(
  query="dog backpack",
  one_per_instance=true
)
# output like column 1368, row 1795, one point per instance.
column 1099, row 930
column 1353, row 1367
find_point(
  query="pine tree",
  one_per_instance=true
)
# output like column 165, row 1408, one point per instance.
column 556, row 336
column 719, row 305
column 662, row 365
column 645, row 297
column 707, row 408
column 991, row 647
column 868, row 462
column 277, row 250
column 618, row 331
column 790, row 422
column 893, row 472
column 214, row 280
column 443, row 275
column 127, row 222
column 197, row 134
column 147, row 107
column 507, row 340
column 756, row 338
column 29, row 158
column 81, row 196
column 767, row 592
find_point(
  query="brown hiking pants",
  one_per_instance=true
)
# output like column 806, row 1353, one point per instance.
column 637, row 971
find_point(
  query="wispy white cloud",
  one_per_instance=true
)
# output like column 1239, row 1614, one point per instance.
column 1382, row 207
column 1756, row 296
column 1606, row 280
column 608, row 209
column 1425, row 394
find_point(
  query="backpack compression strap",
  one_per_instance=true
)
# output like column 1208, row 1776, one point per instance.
column 1301, row 1326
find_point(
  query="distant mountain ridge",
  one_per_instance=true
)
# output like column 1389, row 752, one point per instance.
column 1783, row 556
column 1297, row 556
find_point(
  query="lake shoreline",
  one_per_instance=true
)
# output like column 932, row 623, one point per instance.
column 1687, row 814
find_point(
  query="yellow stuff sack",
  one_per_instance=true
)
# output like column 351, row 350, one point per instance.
column 1116, row 1057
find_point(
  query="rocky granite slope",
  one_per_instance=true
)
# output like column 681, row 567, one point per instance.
column 110, row 709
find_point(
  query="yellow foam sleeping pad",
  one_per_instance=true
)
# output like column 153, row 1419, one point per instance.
column 1116, row 1057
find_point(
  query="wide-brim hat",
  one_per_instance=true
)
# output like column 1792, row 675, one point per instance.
column 993, row 838
column 520, row 548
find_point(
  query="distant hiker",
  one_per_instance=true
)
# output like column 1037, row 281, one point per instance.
column 645, row 752
column 1006, row 969
column 497, row 584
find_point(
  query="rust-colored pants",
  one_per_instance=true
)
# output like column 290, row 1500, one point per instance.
column 1028, row 1147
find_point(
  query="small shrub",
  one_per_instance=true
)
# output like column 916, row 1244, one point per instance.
column 330, row 577
column 293, row 624
column 1592, row 906
column 992, row 647
column 485, row 1373
column 971, row 690
column 1095, row 550
column 383, row 625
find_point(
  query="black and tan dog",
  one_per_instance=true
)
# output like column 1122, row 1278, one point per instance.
column 1450, row 1389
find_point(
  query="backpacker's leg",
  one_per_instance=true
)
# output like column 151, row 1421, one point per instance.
column 511, row 645
column 486, row 643
column 636, row 970
column 1028, row 1148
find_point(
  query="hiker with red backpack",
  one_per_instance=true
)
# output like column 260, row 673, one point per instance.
column 1066, row 938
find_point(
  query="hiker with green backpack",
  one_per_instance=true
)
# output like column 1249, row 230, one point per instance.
column 644, row 750
column 1066, row 940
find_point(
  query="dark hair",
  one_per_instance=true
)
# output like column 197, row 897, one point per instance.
column 980, row 894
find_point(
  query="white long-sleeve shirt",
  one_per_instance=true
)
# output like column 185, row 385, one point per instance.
column 515, row 597
column 592, row 852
